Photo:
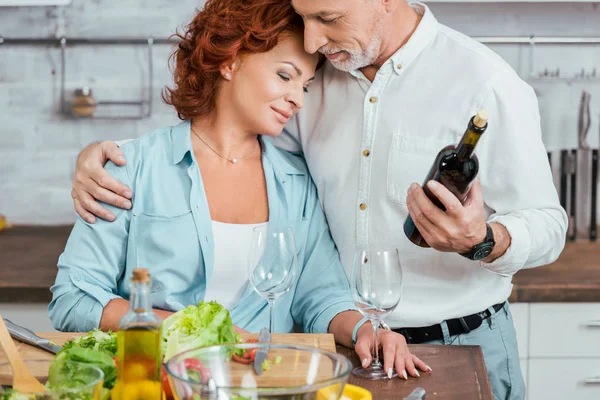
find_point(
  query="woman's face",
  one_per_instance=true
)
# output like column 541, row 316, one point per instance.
column 266, row 89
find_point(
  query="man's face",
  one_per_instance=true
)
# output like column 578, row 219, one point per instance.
column 347, row 32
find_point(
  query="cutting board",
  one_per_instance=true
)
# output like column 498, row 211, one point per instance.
column 38, row 360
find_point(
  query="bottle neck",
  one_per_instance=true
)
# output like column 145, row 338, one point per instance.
column 139, row 300
column 467, row 144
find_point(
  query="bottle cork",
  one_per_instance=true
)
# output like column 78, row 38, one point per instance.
column 481, row 119
column 140, row 275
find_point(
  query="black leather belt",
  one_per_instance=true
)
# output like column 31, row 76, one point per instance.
column 456, row 326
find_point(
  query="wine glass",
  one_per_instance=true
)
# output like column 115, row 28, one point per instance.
column 272, row 264
column 376, row 288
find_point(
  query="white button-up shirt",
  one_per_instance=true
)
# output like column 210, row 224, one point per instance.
column 365, row 143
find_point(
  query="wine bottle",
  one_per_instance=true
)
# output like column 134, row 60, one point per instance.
column 455, row 167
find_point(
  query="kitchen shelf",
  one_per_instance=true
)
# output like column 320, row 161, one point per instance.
column 509, row 1
column 20, row 3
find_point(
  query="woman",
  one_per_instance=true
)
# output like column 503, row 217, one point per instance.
column 202, row 186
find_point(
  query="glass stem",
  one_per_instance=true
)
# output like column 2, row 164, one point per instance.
column 271, row 315
column 375, row 363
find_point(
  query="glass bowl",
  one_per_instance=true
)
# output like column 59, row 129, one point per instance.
column 74, row 380
column 293, row 373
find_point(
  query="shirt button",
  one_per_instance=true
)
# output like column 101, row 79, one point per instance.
column 373, row 99
column 363, row 206
column 399, row 66
column 366, row 153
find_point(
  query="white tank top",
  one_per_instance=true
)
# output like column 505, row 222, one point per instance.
column 230, row 271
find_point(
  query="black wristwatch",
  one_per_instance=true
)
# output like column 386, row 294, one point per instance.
column 483, row 249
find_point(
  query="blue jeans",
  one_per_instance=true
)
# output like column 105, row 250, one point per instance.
column 498, row 342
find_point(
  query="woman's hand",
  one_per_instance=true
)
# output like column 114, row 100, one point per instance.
column 395, row 352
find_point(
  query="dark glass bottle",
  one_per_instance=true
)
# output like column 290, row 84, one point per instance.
column 455, row 167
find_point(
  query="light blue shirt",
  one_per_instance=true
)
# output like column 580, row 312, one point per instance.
column 169, row 231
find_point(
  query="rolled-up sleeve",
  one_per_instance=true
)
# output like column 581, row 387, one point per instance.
column 322, row 291
column 516, row 178
column 90, row 267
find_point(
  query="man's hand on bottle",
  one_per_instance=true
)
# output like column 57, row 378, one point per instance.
column 92, row 183
column 457, row 229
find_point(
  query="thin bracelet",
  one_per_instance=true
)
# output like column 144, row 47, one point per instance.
column 356, row 327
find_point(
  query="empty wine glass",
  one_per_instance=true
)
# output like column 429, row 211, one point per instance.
column 272, row 264
column 376, row 285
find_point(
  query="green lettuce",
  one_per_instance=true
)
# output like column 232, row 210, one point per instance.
column 206, row 324
column 96, row 340
column 97, row 348
column 60, row 375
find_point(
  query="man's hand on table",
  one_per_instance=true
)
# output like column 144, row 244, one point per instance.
column 92, row 183
column 395, row 352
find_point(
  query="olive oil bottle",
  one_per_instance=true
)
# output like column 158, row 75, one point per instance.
column 455, row 167
column 138, row 345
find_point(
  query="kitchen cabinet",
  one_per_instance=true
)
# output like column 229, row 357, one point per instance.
column 559, row 349
column 564, row 379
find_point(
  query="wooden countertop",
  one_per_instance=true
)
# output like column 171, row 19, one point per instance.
column 28, row 256
column 574, row 277
column 458, row 373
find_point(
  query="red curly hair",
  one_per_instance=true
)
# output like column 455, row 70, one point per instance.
column 220, row 32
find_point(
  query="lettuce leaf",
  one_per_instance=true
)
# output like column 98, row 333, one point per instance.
column 59, row 375
column 206, row 324
column 97, row 340
column 97, row 348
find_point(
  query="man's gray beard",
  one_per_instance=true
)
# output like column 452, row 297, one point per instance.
column 353, row 62
column 360, row 60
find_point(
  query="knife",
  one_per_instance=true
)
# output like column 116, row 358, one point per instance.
column 573, row 200
column 261, row 354
column 563, row 178
column 594, row 203
column 25, row 335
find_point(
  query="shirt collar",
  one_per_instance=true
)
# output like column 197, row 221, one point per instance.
column 282, row 164
column 181, row 144
column 421, row 37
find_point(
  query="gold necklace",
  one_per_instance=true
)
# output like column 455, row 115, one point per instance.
column 232, row 160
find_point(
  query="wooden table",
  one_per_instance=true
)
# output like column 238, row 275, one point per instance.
column 459, row 373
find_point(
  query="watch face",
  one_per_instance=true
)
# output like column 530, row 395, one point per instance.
column 483, row 251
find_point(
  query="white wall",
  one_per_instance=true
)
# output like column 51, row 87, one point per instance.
column 38, row 146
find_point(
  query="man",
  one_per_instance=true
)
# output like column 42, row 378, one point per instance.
column 400, row 86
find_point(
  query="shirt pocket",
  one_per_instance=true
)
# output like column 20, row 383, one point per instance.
column 410, row 159
column 168, row 246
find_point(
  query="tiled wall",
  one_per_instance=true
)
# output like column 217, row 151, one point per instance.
column 38, row 146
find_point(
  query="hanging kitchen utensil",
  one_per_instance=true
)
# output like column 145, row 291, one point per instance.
column 573, row 199
column 594, row 199
column 563, row 178
column 583, row 125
